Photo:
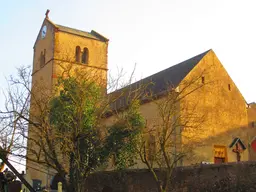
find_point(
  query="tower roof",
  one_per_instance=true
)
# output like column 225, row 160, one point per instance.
column 93, row 34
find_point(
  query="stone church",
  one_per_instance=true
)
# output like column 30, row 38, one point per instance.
column 228, row 120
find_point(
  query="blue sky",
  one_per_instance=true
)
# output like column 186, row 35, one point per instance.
column 154, row 34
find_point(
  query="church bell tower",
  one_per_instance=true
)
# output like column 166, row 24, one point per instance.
column 59, row 50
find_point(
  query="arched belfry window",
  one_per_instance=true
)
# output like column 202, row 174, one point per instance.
column 85, row 56
column 78, row 54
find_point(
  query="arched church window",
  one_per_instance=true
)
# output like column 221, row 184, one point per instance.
column 85, row 56
column 78, row 54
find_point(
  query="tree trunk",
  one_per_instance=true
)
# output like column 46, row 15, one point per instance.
column 72, row 179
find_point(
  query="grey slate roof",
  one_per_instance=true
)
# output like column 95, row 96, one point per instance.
column 172, row 75
column 159, row 82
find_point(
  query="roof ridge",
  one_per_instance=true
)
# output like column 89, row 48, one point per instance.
column 173, row 74
column 58, row 25
column 201, row 54
column 93, row 34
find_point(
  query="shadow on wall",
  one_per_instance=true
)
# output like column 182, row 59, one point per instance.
column 226, row 177
column 205, row 150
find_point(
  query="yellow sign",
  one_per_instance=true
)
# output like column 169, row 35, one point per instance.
column 220, row 151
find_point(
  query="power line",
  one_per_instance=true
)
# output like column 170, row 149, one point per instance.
column 22, row 157
column 52, row 174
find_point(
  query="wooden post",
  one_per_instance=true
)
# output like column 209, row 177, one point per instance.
column 59, row 187
column 238, row 153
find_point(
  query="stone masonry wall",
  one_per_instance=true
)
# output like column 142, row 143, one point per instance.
column 228, row 177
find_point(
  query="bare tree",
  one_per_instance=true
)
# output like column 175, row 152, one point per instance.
column 63, row 127
column 173, row 135
column 17, row 102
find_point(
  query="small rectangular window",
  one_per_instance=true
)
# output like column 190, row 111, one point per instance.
column 42, row 58
column 113, row 159
column 229, row 87
column 203, row 79
column 253, row 124
column 151, row 147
